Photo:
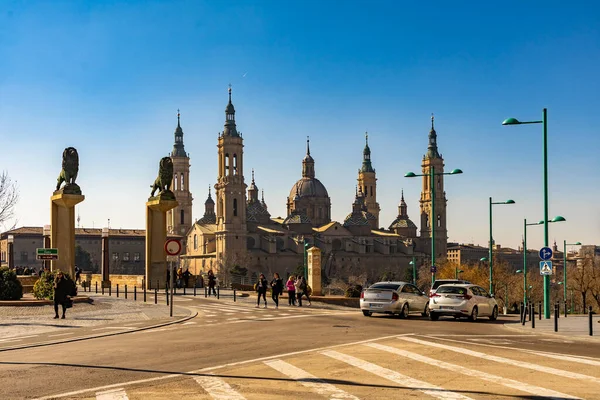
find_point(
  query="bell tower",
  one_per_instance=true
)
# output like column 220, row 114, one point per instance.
column 433, row 159
column 230, row 190
column 368, row 184
column 179, row 219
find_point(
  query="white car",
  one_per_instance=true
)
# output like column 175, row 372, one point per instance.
column 399, row 298
column 462, row 300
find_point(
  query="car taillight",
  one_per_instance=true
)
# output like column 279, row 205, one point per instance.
column 434, row 295
column 362, row 295
column 395, row 296
column 466, row 296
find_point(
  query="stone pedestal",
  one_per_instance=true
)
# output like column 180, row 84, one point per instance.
column 156, row 236
column 314, row 270
column 62, row 230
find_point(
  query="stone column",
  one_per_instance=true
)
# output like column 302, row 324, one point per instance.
column 10, row 250
column 47, row 231
column 105, row 258
column 156, row 236
column 314, row 270
column 62, row 231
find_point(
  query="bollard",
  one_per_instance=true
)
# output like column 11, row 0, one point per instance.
column 540, row 310
column 155, row 294
column 184, row 290
column 144, row 294
column 125, row 291
column 205, row 292
column 102, row 290
column 194, row 291
column 110, row 290
column 530, row 310
column 565, row 309
column 167, row 295
column 96, row 287
column 218, row 292
column 157, row 283
column 533, row 318
column 521, row 312
column 591, row 321
column 135, row 293
column 557, row 305
column 117, row 290
column 234, row 296
column 556, row 318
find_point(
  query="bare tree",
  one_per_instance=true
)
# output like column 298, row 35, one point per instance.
column 9, row 196
column 583, row 279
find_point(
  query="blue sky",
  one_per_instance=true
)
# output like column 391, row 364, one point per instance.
column 107, row 77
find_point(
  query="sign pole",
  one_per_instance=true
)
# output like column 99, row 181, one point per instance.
column 171, row 287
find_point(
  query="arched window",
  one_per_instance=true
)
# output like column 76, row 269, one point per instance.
column 235, row 170
column 175, row 181
column 235, row 207
column 226, row 164
column 182, row 186
column 427, row 221
column 195, row 241
column 182, row 219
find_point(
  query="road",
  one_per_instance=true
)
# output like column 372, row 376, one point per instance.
column 235, row 351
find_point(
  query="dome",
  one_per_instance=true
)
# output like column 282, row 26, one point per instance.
column 356, row 219
column 402, row 222
column 308, row 187
column 296, row 218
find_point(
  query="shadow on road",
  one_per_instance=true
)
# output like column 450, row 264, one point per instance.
column 36, row 324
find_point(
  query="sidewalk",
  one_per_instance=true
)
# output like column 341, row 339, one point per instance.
column 573, row 326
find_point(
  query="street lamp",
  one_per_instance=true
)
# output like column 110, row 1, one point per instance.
column 105, row 259
column 565, row 266
column 490, row 257
column 11, row 260
column 544, row 122
column 432, row 219
column 414, row 267
column 456, row 272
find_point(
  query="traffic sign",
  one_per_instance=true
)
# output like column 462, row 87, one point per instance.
column 433, row 269
column 46, row 254
column 545, row 267
column 545, row 253
column 173, row 247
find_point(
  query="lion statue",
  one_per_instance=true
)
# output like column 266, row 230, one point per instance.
column 70, row 168
column 165, row 176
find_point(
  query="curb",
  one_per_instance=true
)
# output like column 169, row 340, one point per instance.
column 194, row 314
column 554, row 334
column 34, row 303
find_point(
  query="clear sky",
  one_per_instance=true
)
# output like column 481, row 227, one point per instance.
column 107, row 77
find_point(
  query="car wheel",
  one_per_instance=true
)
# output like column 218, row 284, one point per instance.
column 433, row 316
column 367, row 313
column 425, row 312
column 494, row 315
column 404, row 312
column 473, row 316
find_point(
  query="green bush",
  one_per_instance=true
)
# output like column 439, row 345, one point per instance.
column 10, row 287
column 354, row 291
column 44, row 287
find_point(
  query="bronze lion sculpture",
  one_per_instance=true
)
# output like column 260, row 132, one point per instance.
column 165, row 176
column 70, row 167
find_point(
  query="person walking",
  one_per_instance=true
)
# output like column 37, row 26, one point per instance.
column 276, row 289
column 186, row 277
column 179, row 277
column 291, row 289
column 168, row 277
column 298, row 287
column 261, row 290
column 63, row 288
column 211, row 282
column 77, row 275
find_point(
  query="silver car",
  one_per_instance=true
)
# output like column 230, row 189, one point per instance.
column 462, row 300
column 396, row 298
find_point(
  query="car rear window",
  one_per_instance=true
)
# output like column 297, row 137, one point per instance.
column 452, row 290
column 387, row 286
column 437, row 284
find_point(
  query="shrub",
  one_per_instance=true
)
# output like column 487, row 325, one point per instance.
column 44, row 287
column 354, row 291
column 10, row 287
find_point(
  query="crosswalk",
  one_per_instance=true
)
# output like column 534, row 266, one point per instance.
column 398, row 367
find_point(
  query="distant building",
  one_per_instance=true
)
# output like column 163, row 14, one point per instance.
column 472, row 254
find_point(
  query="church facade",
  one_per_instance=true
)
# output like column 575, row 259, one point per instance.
column 238, row 230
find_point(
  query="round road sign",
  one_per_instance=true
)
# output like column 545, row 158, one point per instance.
column 173, row 247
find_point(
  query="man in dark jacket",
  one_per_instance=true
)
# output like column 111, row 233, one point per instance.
column 63, row 288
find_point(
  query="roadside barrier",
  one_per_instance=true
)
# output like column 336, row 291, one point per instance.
column 556, row 312
column 533, row 318
column 590, row 322
column 540, row 310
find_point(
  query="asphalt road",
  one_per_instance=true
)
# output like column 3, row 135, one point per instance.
column 236, row 351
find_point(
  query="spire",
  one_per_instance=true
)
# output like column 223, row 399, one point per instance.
column 252, row 190
column 209, row 200
column 366, row 164
column 308, row 163
column 230, row 128
column 402, row 208
column 178, row 148
column 262, row 200
column 432, row 150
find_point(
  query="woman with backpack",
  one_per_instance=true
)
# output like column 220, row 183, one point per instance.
column 276, row 288
column 302, row 290
column 261, row 289
column 291, row 290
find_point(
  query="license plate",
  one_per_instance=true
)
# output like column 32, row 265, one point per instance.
column 372, row 305
column 446, row 308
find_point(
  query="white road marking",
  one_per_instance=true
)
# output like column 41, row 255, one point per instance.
column 218, row 389
column 407, row 381
column 16, row 338
column 524, row 387
column 474, row 336
column 61, row 334
column 115, row 394
column 520, row 364
column 566, row 358
column 189, row 323
column 208, row 369
column 309, row 380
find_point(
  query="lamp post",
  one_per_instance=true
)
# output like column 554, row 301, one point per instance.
column 47, row 244
column 490, row 256
column 544, row 122
column 305, row 247
column 105, row 259
column 10, row 250
column 565, row 267
column 414, row 268
column 456, row 272
column 432, row 219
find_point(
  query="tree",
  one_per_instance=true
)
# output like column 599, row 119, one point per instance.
column 583, row 279
column 9, row 196
column 83, row 258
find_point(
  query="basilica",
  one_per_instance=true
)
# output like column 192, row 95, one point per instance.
column 238, row 230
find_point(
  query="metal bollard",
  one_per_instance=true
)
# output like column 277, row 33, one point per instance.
column 155, row 295
column 110, row 290
column 194, row 291
column 521, row 312
column 557, row 305
column 234, row 300
column 566, row 309
column 533, row 318
column 218, row 292
column 135, row 293
column 125, row 291
column 167, row 295
column 102, row 290
column 205, row 292
column 96, row 287
column 144, row 294
column 117, row 290
column 530, row 310
column 590, row 316
column 556, row 318
column 540, row 310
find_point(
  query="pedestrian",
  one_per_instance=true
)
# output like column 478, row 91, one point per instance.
column 179, row 277
column 168, row 277
column 211, row 282
column 291, row 289
column 261, row 289
column 77, row 275
column 298, row 286
column 63, row 288
column 276, row 289
column 186, row 277
column 305, row 290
